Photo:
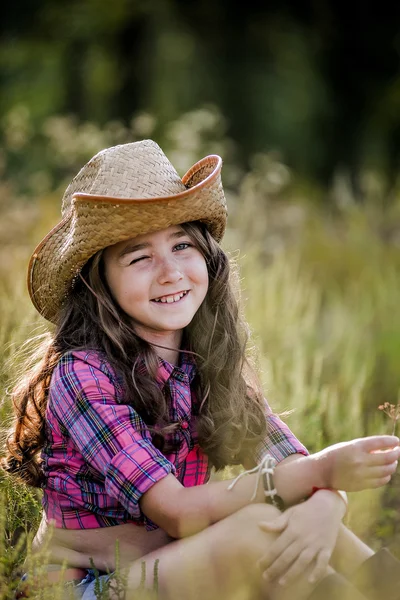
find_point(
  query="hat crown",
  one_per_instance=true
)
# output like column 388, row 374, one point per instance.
column 122, row 192
column 135, row 170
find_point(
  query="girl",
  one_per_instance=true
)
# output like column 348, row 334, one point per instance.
column 144, row 386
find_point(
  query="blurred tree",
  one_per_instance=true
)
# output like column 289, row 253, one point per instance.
column 317, row 81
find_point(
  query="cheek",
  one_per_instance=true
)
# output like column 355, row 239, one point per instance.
column 116, row 293
column 202, row 275
column 112, row 284
column 118, row 287
column 206, row 278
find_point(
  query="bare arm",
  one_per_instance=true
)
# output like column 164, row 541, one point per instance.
column 184, row 511
column 350, row 466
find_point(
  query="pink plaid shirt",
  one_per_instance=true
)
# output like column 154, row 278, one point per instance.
column 99, row 459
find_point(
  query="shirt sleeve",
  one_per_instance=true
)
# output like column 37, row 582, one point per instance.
column 111, row 437
column 280, row 442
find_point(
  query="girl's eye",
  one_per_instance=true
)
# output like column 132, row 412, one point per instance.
column 182, row 246
column 135, row 260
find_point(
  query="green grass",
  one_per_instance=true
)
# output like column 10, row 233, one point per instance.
column 321, row 293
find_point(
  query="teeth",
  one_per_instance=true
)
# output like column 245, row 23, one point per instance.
column 170, row 299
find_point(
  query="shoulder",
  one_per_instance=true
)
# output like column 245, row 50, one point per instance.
column 87, row 359
column 85, row 369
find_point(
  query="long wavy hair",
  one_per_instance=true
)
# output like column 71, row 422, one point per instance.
column 230, row 411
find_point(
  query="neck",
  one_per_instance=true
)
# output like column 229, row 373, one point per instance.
column 171, row 342
column 171, row 356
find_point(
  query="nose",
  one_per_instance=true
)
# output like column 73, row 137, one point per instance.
column 169, row 271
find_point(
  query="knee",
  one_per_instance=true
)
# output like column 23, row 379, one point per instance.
column 245, row 526
column 252, row 514
column 244, row 539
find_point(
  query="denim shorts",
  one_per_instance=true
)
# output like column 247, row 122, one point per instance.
column 86, row 589
column 93, row 584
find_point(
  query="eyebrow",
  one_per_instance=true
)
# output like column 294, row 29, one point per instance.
column 129, row 248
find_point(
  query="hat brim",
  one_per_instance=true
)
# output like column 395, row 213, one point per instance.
column 95, row 222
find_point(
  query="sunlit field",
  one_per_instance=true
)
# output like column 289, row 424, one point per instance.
column 320, row 289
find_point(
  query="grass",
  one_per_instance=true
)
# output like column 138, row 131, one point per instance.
column 321, row 293
column 323, row 315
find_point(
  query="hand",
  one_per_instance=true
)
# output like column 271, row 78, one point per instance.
column 359, row 464
column 308, row 536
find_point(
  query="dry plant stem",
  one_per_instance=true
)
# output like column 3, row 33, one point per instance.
column 392, row 411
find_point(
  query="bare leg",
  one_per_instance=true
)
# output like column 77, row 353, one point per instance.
column 376, row 575
column 219, row 563
column 301, row 589
column 350, row 552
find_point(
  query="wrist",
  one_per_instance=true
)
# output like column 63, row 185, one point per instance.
column 264, row 485
column 317, row 472
column 270, row 491
column 295, row 477
column 334, row 497
column 322, row 470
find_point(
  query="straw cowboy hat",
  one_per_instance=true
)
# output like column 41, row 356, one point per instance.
column 122, row 192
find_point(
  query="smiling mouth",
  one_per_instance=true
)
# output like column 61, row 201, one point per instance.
column 170, row 299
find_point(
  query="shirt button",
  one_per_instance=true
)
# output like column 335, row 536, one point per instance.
column 184, row 424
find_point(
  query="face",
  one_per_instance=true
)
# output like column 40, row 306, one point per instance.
column 159, row 279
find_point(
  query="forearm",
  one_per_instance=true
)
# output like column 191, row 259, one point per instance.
column 204, row 505
column 296, row 476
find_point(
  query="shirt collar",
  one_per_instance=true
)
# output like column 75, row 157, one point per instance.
column 187, row 366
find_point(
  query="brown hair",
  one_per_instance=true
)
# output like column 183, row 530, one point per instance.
column 231, row 419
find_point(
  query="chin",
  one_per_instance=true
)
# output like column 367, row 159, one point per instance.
column 176, row 326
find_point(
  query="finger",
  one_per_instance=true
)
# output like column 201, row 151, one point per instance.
column 280, row 566
column 321, row 565
column 381, row 472
column 298, row 567
column 274, row 551
column 278, row 524
column 379, row 442
column 372, row 484
column 383, row 458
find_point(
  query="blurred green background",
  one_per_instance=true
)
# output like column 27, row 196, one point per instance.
column 302, row 101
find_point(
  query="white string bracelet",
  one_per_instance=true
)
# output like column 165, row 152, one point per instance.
column 266, row 470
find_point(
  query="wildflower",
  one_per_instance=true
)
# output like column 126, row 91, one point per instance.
column 392, row 411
